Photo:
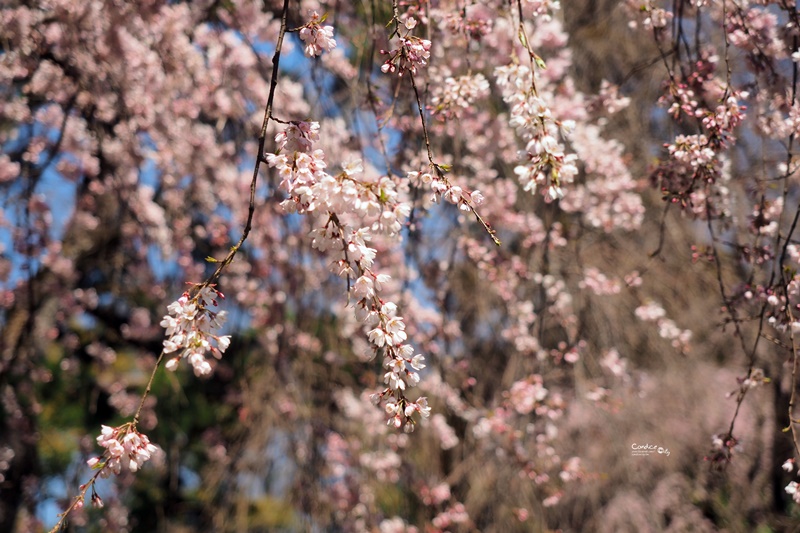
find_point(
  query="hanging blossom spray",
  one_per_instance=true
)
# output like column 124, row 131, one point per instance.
column 352, row 209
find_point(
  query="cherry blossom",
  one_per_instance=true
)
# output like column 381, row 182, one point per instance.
column 125, row 448
column 190, row 327
column 318, row 38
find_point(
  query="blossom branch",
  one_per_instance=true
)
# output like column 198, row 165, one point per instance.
column 348, row 197
column 189, row 327
column 411, row 54
column 262, row 137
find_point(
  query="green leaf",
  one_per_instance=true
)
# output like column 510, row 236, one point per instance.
column 522, row 38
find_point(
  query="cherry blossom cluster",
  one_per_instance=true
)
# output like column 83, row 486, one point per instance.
column 718, row 121
column 317, row 38
column 615, row 364
column 396, row 525
column 777, row 303
column 652, row 16
column 692, row 150
column 411, row 53
column 723, row 448
column 721, row 121
column 546, row 166
column 774, row 303
column 456, row 95
column 452, row 516
column 765, row 217
column 793, row 488
column 190, row 329
column 756, row 378
column 609, row 198
column 599, row 283
column 474, row 22
column 464, row 199
column 435, row 495
column 667, row 328
column 353, row 207
column 525, row 395
column 126, row 448
column 609, row 99
column 695, row 173
column 543, row 8
column 756, row 31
